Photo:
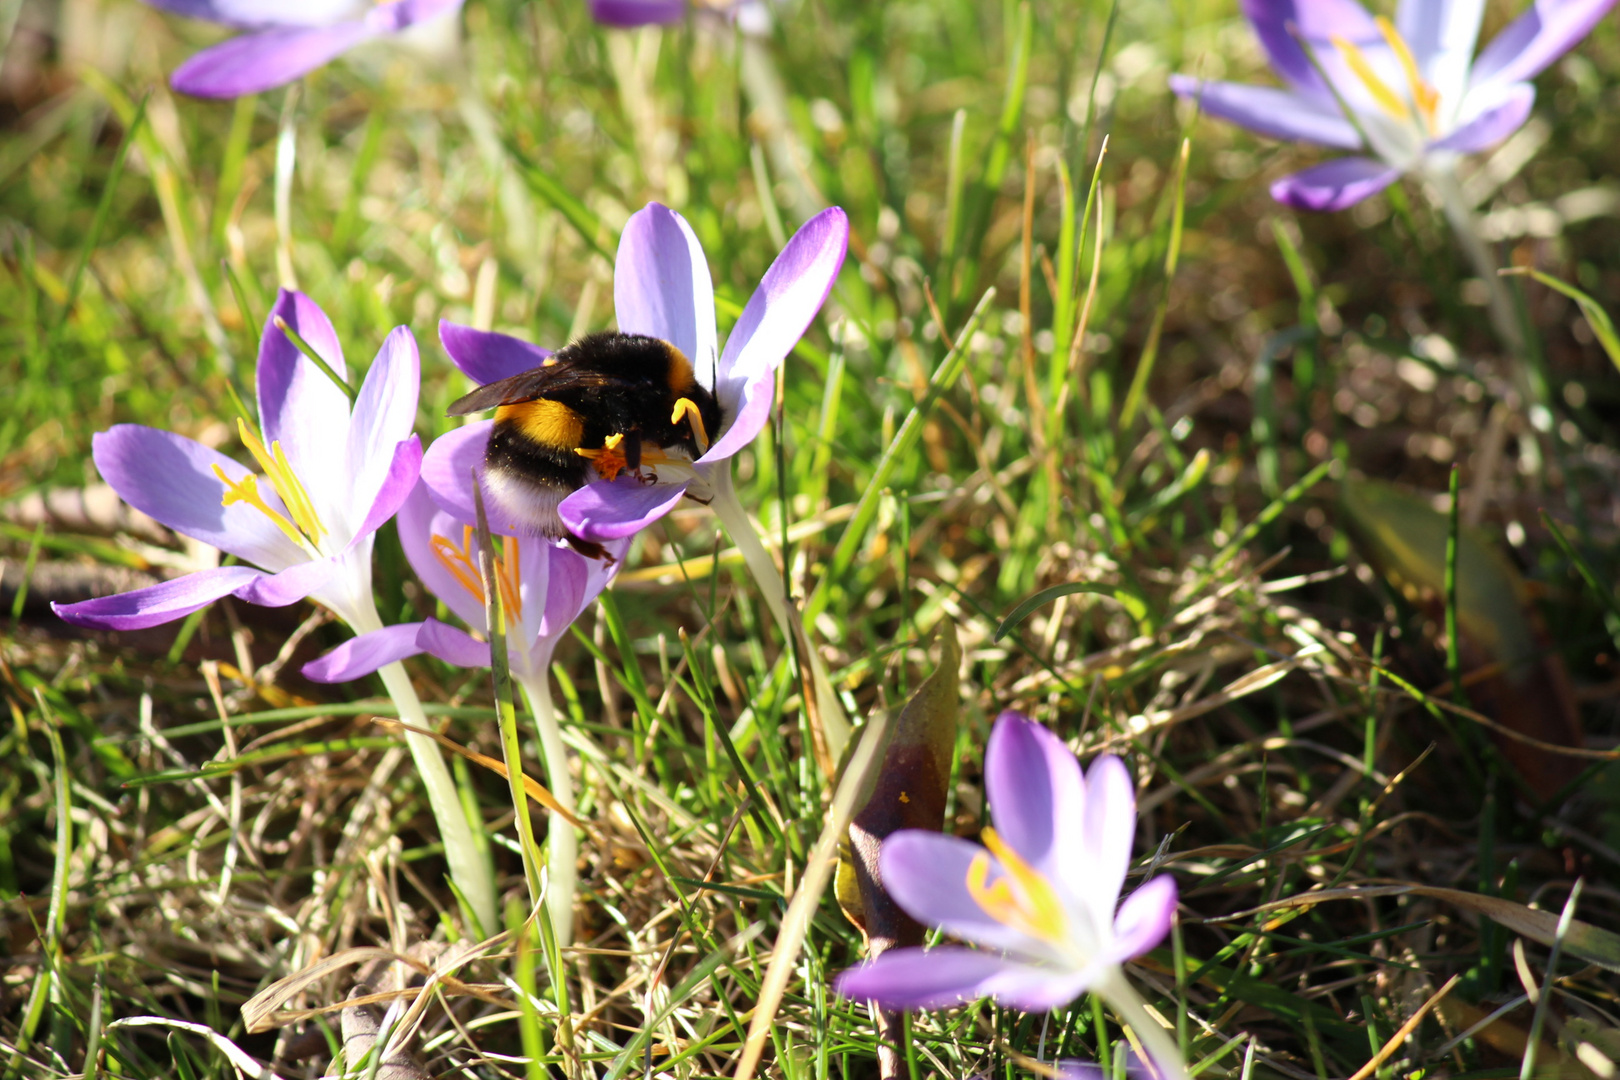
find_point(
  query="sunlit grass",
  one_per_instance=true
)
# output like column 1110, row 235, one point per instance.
column 1229, row 638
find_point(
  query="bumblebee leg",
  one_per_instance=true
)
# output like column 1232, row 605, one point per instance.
column 589, row 548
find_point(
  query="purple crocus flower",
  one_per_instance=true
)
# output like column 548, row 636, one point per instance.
column 661, row 288
column 544, row 587
column 331, row 475
column 1041, row 897
column 284, row 41
column 1409, row 93
column 750, row 16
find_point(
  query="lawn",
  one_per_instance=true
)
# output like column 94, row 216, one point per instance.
column 1309, row 518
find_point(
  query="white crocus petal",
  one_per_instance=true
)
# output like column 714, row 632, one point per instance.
column 662, row 288
column 1442, row 35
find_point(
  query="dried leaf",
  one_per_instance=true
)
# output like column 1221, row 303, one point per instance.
column 907, row 792
column 537, row 791
column 1516, row 676
column 361, row 1025
column 243, row 1062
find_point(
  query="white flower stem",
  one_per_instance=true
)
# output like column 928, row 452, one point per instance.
column 562, row 844
column 1163, row 1053
column 835, row 728
column 1465, row 223
column 469, row 868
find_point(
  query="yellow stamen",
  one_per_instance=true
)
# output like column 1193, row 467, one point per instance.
column 279, row 472
column 507, row 578
column 463, row 566
column 609, row 460
column 458, row 563
column 1424, row 96
column 685, row 407
column 1387, row 99
column 1033, row 907
column 246, row 491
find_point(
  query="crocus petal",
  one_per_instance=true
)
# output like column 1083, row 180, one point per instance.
column 1281, row 114
column 419, row 521
column 777, row 315
column 926, row 873
column 451, row 645
column 384, row 413
column 404, row 468
column 299, row 406
column 1280, row 24
column 918, row 979
column 486, row 357
column 170, row 478
column 364, row 654
column 572, row 583
column 1492, row 121
column 1035, row 789
column 1037, row 989
column 265, row 59
column 614, row 510
column 566, row 578
column 390, row 18
column 448, row 467
column 1334, row 185
column 628, row 13
column 263, row 13
column 290, row 585
column 661, row 285
column 1144, row 918
column 1442, row 35
column 1535, row 39
column 157, row 604
column 1100, row 849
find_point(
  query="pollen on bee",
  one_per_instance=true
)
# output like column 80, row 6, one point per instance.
column 609, row 461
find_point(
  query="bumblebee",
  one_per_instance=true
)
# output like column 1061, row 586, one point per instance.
column 605, row 404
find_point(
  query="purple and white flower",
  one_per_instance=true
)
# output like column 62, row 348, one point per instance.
column 330, row 476
column 1408, row 94
column 1041, row 898
column 749, row 16
column 285, row 41
column 661, row 288
column 544, row 587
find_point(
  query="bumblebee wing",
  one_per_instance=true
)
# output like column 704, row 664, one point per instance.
column 553, row 379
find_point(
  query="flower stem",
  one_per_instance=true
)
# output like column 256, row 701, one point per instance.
column 1163, row 1053
column 1465, row 224
column 468, row 869
column 562, row 844
column 835, row 728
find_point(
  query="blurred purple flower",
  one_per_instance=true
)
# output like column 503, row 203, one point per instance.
column 661, row 288
column 1410, row 92
column 332, row 477
column 284, row 41
column 750, row 16
column 1042, row 899
column 544, row 587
